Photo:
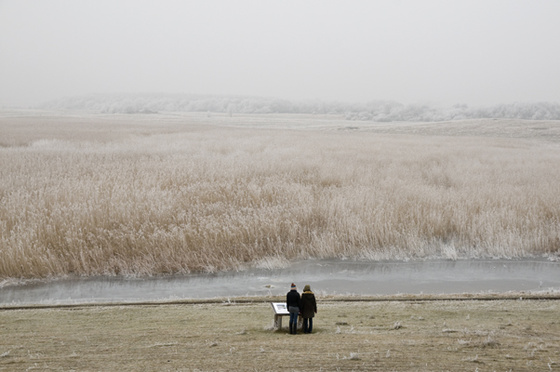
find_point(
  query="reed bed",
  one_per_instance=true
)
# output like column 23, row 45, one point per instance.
column 158, row 198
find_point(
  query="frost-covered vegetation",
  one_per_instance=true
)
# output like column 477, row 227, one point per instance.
column 379, row 111
column 145, row 196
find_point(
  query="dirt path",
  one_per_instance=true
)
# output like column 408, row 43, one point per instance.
column 521, row 335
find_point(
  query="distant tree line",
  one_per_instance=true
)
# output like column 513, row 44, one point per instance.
column 379, row 111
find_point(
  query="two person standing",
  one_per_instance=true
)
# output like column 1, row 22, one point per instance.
column 306, row 305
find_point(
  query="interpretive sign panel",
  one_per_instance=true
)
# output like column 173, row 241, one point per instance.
column 280, row 308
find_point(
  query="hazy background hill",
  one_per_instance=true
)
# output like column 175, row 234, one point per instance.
column 380, row 111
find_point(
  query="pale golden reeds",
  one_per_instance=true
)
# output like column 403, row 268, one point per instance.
column 226, row 198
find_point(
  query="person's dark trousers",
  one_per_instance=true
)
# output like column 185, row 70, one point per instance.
column 294, row 312
column 307, row 325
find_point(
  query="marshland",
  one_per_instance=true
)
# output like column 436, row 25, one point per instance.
column 177, row 193
column 89, row 195
column 402, row 158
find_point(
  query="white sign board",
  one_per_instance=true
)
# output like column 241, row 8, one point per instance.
column 280, row 308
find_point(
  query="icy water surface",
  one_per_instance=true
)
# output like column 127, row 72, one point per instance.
column 325, row 277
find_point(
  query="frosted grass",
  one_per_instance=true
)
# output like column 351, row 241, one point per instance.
column 204, row 199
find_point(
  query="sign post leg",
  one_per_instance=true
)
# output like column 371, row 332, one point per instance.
column 277, row 321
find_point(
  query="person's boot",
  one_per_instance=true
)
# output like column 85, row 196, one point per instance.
column 291, row 328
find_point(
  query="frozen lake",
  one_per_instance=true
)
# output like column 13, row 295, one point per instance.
column 325, row 277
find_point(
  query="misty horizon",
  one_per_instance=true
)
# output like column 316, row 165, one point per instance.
column 477, row 53
column 120, row 95
column 378, row 111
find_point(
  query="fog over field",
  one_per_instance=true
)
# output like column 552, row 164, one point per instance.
column 475, row 53
column 146, row 138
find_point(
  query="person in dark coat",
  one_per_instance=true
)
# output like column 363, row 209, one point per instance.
column 308, row 308
column 292, row 303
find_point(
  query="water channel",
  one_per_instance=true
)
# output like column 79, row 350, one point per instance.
column 325, row 277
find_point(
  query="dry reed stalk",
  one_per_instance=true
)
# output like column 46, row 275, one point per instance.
column 216, row 198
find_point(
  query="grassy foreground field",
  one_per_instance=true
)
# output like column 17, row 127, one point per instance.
column 411, row 335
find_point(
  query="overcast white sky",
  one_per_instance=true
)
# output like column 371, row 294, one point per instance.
column 465, row 51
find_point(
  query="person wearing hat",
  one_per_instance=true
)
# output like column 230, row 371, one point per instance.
column 292, row 303
column 308, row 308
